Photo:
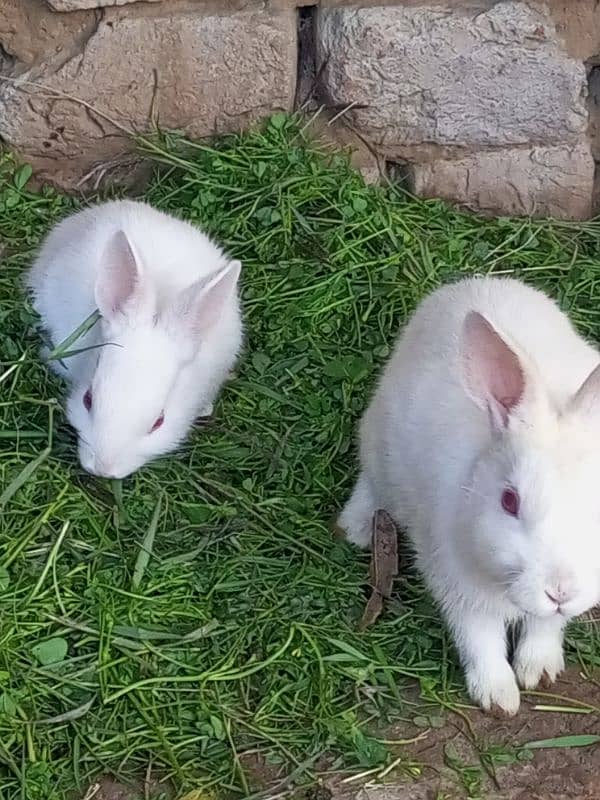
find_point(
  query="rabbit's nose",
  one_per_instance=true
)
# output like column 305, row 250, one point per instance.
column 99, row 467
column 88, row 461
column 105, row 469
column 559, row 594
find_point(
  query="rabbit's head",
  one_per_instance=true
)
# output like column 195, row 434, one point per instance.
column 135, row 404
column 532, row 507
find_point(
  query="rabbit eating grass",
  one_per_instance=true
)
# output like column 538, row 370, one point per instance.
column 483, row 441
column 170, row 328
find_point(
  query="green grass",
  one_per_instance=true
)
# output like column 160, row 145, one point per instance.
column 234, row 644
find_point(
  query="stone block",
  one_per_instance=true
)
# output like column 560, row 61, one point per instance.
column 202, row 74
column 578, row 25
column 451, row 77
column 539, row 181
column 77, row 5
column 30, row 31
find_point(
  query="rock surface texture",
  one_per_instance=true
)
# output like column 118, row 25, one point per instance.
column 537, row 181
column 485, row 105
column 76, row 5
column 69, row 110
column 430, row 75
column 492, row 104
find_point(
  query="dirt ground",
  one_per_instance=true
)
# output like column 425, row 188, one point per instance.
column 475, row 757
column 480, row 757
column 108, row 789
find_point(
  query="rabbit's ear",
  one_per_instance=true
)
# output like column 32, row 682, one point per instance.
column 200, row 306
column 120, row 288
column 493, row 375
column 586, row 400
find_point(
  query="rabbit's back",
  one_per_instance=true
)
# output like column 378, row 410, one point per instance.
column 173, row 253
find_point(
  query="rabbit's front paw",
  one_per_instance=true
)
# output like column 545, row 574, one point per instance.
column 356, row 519
column 538, row 662
column 206, row 411
column 495, row 688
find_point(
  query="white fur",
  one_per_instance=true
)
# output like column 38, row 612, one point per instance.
column 171, row 325
column 437, row 450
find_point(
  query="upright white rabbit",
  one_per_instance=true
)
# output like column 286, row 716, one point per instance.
column 170, row 328
column 483, row 440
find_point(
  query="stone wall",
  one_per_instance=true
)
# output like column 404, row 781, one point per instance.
column 493, row 104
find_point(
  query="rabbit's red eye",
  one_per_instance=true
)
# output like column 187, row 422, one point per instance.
column 511, row 502
column 87, row 400
column 158, row 422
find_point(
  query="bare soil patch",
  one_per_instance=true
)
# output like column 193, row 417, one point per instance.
column 482, row 757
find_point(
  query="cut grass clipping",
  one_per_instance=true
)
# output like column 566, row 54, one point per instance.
column 200, row 618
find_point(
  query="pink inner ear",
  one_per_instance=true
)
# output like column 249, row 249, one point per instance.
column 493, row 373
column 118, row 276
column 201, row 305
column 507, row 382
column 587, row 398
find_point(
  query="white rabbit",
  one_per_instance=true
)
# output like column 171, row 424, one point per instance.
column 170, row 328
column 483, row 440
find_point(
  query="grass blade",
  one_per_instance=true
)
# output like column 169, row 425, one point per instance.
column 22, row 478
column 146, row 547
column 62, row 350
column 68, row 716
column 582, row 740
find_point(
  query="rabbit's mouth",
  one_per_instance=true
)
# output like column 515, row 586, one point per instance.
column 526, row 602
column 544, row 606
column 101, row 467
